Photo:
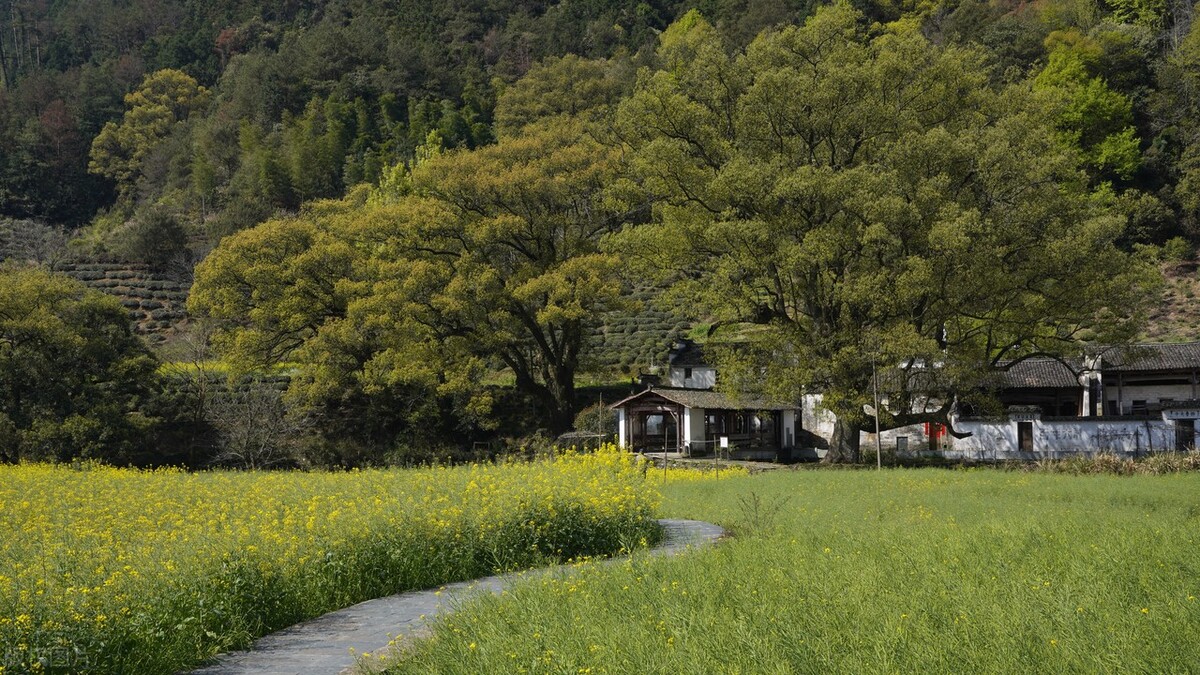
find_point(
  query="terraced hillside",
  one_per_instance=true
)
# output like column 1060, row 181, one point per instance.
column 632, row 341
column 156, row 305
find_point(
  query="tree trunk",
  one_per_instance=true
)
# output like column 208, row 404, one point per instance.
column 562, row 413
column 843, row 447
column 554, row 394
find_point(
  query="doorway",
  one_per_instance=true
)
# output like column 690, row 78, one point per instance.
column 1185, row 435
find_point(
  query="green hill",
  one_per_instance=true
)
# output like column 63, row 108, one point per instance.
column 1176, row 316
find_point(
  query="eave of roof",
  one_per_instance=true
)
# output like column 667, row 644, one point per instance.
column 1040, row 374
column 1151, row 357
column 706, row 399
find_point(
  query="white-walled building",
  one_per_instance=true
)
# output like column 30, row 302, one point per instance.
column 689, row 417
column 1132, row 400
column 693, row 422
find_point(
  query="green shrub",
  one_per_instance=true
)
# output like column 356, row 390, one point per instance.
column 154, row 237
column 72, row 373
column 1110, row 463
column 1178, row 249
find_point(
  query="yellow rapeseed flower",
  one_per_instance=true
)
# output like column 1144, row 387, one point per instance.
column 104, row 551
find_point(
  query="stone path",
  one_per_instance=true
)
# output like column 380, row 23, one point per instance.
column 324, row 644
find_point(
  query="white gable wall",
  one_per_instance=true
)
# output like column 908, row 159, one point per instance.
column 1148, row 393
column 814, row 418
column 700, row 377
column 820, row 421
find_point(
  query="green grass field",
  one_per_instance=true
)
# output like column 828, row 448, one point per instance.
column 905, row 571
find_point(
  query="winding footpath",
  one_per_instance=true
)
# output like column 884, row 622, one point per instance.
column 328, row 644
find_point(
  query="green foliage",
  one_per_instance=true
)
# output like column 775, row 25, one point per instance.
column 155, row 237
column 1178, row 249
column 1092, row 117
column 72, row 374
column 406, row 69
column 597, row 419
column 384, row 77
column 164, row 99
column 492, row 260
column 1148, row 13
column 866, row 194
column 567, row 86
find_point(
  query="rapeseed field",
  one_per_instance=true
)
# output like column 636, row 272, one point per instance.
column 120, row 571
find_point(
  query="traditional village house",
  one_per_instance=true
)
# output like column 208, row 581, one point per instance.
column 1131, row 400
column 689, row 417
column 1128, row 400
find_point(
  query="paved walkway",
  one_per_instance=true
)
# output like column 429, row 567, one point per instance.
column 324, row 644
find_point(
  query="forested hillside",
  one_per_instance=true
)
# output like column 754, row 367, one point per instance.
column 278, row 103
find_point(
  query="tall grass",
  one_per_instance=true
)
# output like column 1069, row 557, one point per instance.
column 1156, row 464
column 900, row 571
column 118, row 571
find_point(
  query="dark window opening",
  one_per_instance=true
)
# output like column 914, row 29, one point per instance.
column 1185, row 435
column 1025, row 436
column 687, row 373
column 1139, row 407
column 714, row 425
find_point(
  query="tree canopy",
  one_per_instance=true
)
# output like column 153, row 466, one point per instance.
column 859, row 193
column 482, row 260
column 72, row 373
column 165, row 98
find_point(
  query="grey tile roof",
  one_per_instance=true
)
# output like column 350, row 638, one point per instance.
column 1036, row 373
column 1151, row 357
column 1040, row 374
column 707, row 399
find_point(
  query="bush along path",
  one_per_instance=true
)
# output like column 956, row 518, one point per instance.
column 330, row 643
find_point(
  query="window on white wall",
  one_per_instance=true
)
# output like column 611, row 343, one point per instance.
column 1025, row 436
column 687, row 373
column 1185, row 435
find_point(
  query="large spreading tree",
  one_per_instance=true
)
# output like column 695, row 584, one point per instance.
column 856, row 193
column 475, row 262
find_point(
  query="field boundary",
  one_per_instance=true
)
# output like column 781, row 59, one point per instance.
column 329, row 643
